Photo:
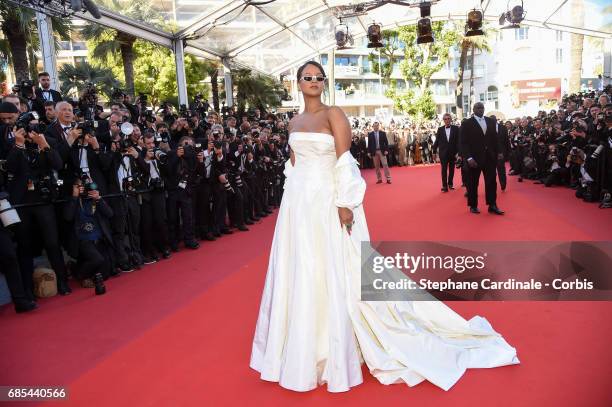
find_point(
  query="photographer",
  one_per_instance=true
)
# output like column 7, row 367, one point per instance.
column 30, row 165
column 90, row 241
column 153, row 208
column 221, row 189
column 8, row 117
column 126, row 171
column 204, row 220
column 185, row 170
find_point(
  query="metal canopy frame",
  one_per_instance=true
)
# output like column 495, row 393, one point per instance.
column 190, row 37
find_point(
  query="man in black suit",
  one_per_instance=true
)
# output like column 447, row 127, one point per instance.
column 447, row 141
column 378, row 149
column 44, row 93
column 504, row 142
column 481, row 149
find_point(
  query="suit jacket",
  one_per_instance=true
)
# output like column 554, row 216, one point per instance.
column 481, row 147
column 504, row 140
column 39, row 102
column 447, row 148
column 382, row 141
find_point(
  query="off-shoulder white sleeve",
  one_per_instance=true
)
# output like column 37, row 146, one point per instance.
column 287, row 171
column 350, row 185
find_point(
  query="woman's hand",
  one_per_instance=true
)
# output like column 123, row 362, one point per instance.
column 346, row 218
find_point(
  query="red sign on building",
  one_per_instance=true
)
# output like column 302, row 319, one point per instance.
column 537, row 89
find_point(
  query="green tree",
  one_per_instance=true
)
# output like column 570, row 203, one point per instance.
column 255, row 90
column 479, row 42
column 20, row 40
column 74, row 78
column 389, row 54
column 420, row 63
column 109, row 45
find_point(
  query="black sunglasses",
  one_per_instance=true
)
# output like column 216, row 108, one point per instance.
column 309, row 78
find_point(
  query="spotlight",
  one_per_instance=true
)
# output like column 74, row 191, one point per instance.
column 374, row 36
column 425, row 9
column 473, row 25
column 424, row 34
column 342, row 35
column 514, row 16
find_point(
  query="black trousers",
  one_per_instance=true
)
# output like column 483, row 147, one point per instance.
column 91, row 258
column 489, row 171
column 10, row 268
column 501, row 173
column 154, row 222
column 203, row 213
column 235, row 206
column 219, row 207
column 125, row 225
column 38, row 221
column 256, row 194
column 448, row 171
column 180, row 200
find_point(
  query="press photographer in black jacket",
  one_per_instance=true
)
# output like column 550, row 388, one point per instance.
column 185, row 170
column 154, row 221
column 30, row 165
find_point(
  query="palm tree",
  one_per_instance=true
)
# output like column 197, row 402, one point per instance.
column 576, row 46
column 256, row 90
column 479, row 42
column 213, row 72
column 109, row 43
column 74, row 78
column 21, row 38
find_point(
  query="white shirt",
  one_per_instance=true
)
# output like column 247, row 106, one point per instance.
column 84, row 164
column 482, row 122
column 207, row 162
column 153, row 173
column 377, row 143
column 124, row 172
column 447, row 130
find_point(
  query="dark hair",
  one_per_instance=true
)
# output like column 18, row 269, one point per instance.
column 314, row 63
column 43, row 74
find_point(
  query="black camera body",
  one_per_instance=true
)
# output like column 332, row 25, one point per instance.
column 88, row 185
column 24, row 121
column 88, row 126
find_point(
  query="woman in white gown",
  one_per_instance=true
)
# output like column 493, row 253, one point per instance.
column 312, row 327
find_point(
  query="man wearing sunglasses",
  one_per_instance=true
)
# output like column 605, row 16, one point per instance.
column 378, row 149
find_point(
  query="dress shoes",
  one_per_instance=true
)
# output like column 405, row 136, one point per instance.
column 192, row 244
column 242, row 228
column 474, row 209
column 494, row 209
column 210, row 237
column 25, row 306
column 388, row 181
column 166, row 254
column 249, row 222
column 444, row 189
column 379, row 181
column 226, row 232
column 450, row 186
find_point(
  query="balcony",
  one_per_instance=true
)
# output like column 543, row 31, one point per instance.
column 348, row 71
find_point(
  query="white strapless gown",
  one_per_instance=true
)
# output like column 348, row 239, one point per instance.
column 312, row 327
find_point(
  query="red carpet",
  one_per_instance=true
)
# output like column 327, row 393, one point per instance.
column 178, row 333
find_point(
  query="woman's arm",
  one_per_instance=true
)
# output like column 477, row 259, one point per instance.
column 340, row 128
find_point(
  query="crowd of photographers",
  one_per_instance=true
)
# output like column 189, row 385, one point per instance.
column 568, row 146
column 119, row 189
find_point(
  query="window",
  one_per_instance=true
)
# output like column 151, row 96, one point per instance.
column 559, row 55
column 349, row 60
column 365, row 64
column 492, row 95
column 79, row 60
column 482, row 97
column 559, row 35
column 521, row 33
column 79, row 45
column 64, row 45
column 324, row 59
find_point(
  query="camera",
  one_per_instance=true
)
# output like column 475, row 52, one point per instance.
column 24, row 88
column 198, row 148
column 48, row 187
column 117, row 95
column 162, row 137
column 88, row 185
column 129, row 184
column 125, row 144
column 24, row 121
column 160, row 155
column 156, row 183
column 87, row 126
